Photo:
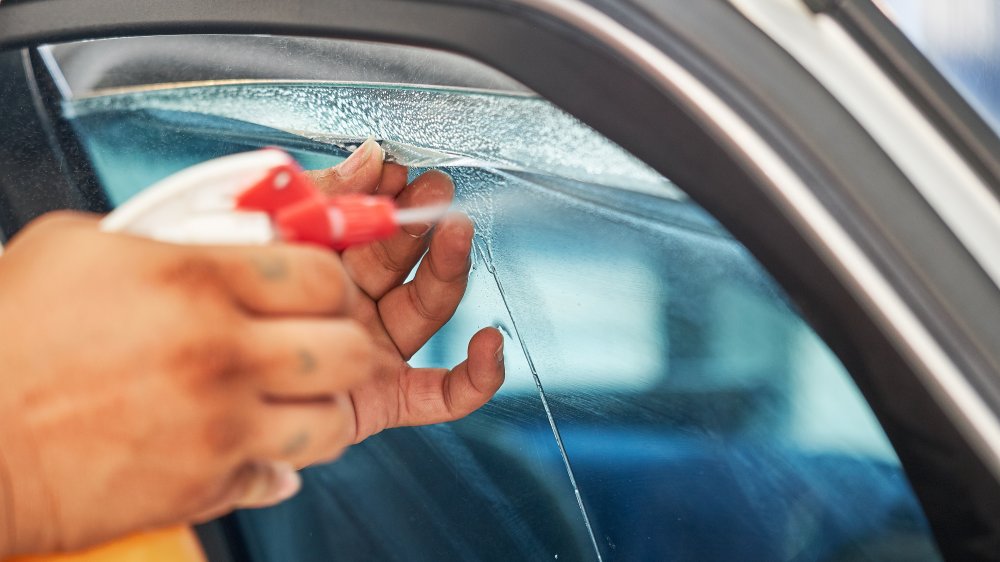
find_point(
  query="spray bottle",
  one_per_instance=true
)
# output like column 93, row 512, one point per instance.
column 249, row 198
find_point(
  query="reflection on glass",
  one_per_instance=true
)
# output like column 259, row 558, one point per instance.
column 663, row 399
column 706, row 421
column 99, row 66
column 962, row 39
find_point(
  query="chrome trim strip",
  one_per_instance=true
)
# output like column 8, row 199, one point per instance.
column 929, row 161
column 65, row 92
column 102, row 92
column 938, row 373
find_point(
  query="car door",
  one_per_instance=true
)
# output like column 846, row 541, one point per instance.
column 668, row 400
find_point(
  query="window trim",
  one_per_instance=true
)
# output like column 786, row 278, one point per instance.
column 921, row 82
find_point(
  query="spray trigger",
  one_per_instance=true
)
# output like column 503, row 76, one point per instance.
column 255, row 198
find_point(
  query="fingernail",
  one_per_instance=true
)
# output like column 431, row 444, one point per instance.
column 418, row 230
column 360, row 157
column 499, row 352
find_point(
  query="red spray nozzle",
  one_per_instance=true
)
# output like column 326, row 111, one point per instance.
column 338, row 222
column 280, row 187
column 300, row 213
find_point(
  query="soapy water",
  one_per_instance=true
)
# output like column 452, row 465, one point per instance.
column 475, row 181
column 461, row 131
column 419, row 215
column 489, row 140
column 421, row 127
column 401, row 153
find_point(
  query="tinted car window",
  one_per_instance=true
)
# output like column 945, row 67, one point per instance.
column 664, row 400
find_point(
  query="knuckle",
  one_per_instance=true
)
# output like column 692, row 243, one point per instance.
column 208, row 361
column 324, row 179
column 55, row 222
column 264, row 264
column 437, row 182
column 224, row 434
column 61, row 217
column 388, row 260
column 428, row 313
column 192, row 271
column 324, row 278
column 357, row 348
column 301, row 445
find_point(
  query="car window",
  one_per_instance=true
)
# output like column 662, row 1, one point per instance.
column 664, row 399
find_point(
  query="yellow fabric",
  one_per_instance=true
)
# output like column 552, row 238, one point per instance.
column 177, row 544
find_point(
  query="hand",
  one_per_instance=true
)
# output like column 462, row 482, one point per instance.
column 144, row 384
column 402, row 317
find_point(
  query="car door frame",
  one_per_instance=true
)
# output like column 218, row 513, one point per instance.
column 789, row 181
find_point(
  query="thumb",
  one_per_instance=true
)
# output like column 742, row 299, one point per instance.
column 361, row 172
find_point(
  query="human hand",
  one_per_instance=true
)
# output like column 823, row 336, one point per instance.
column 144, row 384
column 403, row 316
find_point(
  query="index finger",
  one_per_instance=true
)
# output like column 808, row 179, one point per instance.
column 280, row 279
column 361, row 172
column 382, row 265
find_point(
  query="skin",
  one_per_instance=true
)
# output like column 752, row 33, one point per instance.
column 147, row 384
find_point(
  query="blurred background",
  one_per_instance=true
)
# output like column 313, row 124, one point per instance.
column 961, row 38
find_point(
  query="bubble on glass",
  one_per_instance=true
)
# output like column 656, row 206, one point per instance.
column 419, row 127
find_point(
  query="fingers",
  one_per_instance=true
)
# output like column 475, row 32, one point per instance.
column 278, row 279
column 253, row 484
column 436, row 395
column 268, row 280
column 413, row 312
column 57, row 224
column 304, row 434
column 67, row 219
column 300, row 435
column 382, row 265
column 394, row 179
column 305, row 415
column 361, row 172
column 300, row 361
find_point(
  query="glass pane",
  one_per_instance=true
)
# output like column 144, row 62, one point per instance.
column 962, row 39
column 663, row 401
column 702, row 418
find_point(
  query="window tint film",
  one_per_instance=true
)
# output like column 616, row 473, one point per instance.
column 663, row 401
